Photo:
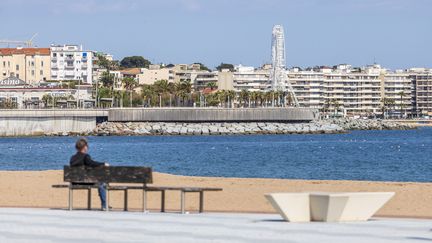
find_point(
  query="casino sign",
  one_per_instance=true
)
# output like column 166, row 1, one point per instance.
column 12, row 81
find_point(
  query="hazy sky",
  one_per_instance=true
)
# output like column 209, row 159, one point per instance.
column 394, row 33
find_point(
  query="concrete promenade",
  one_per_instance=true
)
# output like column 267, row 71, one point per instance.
column 44, row 225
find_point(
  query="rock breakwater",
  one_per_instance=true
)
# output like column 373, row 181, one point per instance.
column 327, row 126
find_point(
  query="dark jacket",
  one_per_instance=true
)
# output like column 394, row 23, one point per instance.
column 81, row 159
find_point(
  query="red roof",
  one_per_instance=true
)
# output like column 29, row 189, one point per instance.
column 131, row 71
column 209, row 91
column 25, row 51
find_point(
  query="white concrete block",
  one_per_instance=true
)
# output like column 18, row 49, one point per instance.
column 293, row 207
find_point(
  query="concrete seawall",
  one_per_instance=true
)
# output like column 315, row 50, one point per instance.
column 212, row 115
column 41, row 122
column 59, row 122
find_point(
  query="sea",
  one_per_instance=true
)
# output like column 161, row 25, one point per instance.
column 358, row 155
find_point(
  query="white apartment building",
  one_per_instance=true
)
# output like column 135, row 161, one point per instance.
column 251, row 79
column 422, row 78
column 399, row 87
column 71, row 62
column 308, row 87
column 355, row 91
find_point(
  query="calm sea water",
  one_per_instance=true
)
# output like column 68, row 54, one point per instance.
column 359, row 155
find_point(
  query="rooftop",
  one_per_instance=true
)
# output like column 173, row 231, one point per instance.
column 25, row 51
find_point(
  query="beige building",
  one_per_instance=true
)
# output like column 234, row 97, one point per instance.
column 29, row 64
column 225, row 80
column 155, row 73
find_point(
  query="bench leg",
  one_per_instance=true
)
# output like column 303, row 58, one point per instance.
column 144, row 201
column 163, row 201
column 182, row 202
column 89, row 199
column 201, row 202
column 70, row 198
column 126, row 200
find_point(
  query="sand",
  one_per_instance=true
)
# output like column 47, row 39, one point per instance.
column 33, row 189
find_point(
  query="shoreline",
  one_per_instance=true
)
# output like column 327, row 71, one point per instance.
column 240, row 195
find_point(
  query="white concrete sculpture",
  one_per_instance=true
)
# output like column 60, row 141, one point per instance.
column 293, row 207
column 328, row 207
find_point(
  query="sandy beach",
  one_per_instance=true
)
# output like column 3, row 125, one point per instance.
column 33, row 189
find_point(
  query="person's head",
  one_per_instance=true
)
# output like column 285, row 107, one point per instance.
column 81, row 145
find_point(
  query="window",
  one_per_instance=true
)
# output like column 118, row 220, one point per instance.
column 41, row 63
column 41, row 72
column 32, row 72
column 54, row 54
column 17, row 67
column 4, row 63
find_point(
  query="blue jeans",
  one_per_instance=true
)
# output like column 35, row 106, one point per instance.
column 102, row 194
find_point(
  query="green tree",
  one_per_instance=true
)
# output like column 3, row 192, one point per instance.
column 203, row 67
column 244, row 97
column 47, row 99
column 103, row 62
column 163, row 88
column 107, row 79
column 231, row 96
column 134, row 62
column 130, row 84
column 183, row 90
column 401, row 104
column 386, row 105
column 335, row 103
column 212, row 85
column 225, row 66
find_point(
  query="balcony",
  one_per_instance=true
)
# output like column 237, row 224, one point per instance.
column 69, row 74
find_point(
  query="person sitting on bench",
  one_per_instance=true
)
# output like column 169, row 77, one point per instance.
column 82, row 158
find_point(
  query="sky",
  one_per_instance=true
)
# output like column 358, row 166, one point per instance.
column 394, row 33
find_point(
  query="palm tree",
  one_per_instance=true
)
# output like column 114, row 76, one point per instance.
column 162, row 87
column 288, row 99
column 386, row 104
column 183, row 90
column 130, row 84
column 335, row 103
column 231, row 96
column 254, row 97
column 401, row 95
column 270, row 96
column 326, row 107
column 244, row 97
column 212, row 85
column 147, row 93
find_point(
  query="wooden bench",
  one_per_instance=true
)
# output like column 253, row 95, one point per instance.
column 120, row 175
